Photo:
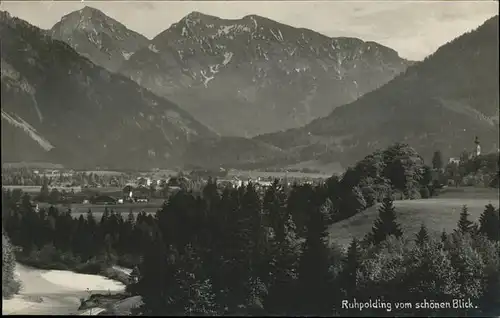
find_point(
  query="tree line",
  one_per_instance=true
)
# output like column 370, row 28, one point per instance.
column 28, row 177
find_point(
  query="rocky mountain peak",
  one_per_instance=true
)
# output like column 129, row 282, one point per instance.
column 253, row 67
column 198, row 17
column 4, row 15
column 91, row 12
column 104, row 40
column 88, row 19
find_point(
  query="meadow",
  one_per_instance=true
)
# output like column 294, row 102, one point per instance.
column 78, row 209
column 36, row 189
column 106, row 173
column 32, row 165
column 438, row 213
column 254, row 174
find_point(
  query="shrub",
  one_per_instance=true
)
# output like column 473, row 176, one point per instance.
column 425, row 193
column 9, row 284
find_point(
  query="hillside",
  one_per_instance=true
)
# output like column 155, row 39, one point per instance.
column 258, row 75
column 103, row 40
column 440, row 103
column 438, row 214
column 59, row 107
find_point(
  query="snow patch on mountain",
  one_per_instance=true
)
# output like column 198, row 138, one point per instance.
column 227, row 58
column 278, row 36
column 206, row 78
column 153, row 48
column 227, row 29
column 127, row 55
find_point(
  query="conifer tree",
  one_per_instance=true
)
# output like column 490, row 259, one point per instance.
column 437, row 160
column 422, row 236
column 131, row 217
column 156, row 277
column 328, row 211
column 252, row 222
column 44, row 191
column 351, row 266
column 489, row 223
column 444, row 236
column 192, row 292
column 9, row 285
column 274, row 208
column 314, row 268
column 464, row 225
column 386, row 224
column 284, row 269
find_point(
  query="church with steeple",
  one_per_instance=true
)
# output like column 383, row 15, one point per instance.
column 477, row 149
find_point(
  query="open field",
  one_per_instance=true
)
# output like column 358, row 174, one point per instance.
column 78, row 209
column 117, row 191
column 103, row 172
column 437, row 213
column 36, row 189
column 54, row 292
column 254, row 174
column 329, row 168
column 32, row 165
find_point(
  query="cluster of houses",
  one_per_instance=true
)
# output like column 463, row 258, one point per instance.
column 476, row 152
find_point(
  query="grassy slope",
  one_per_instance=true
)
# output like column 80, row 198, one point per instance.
column 437, row 213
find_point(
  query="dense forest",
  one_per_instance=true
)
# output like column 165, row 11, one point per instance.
column 238, row 251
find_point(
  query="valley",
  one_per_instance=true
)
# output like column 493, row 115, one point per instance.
column 249, row 158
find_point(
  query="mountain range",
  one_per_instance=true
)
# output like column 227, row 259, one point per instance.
column 239, row 77
column 58, row 106
column 441, row 103
column 91, row 92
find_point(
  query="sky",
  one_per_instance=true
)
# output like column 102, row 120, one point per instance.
column 414, row 29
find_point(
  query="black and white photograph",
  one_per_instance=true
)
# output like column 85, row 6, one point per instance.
column 250, row 158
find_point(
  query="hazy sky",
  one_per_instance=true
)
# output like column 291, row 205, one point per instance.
column 413, row 28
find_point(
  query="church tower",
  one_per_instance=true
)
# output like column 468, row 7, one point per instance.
column 477, row 148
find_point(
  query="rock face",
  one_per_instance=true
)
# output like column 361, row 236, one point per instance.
column 441, row 103
column 254, row 75
column 103, row 40
column 61, row 107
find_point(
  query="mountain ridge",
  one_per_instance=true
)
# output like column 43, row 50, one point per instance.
column 441, row 103
column 256, row 70
column 253, row 78
column 104, row 40
column 56, row 97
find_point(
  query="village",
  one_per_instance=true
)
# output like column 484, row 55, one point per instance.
column 83, row 190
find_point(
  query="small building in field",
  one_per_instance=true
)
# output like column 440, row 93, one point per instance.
column 141, row 191
column 128, row 190
column 104, row 199
column 142, row 181
column 76, row 197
